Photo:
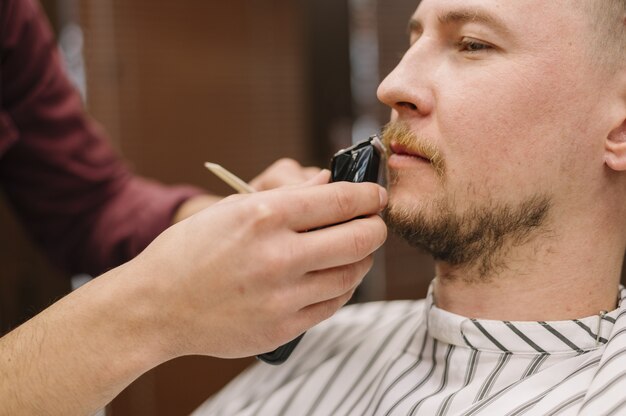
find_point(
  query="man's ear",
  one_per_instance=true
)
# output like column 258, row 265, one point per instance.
column 616, row 148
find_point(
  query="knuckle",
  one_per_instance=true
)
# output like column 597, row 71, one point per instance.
column 310, row 317
column 343, row 202
column 328, row 309
column 355, row 274
column 347, row 277
column 361, row 243
column 262, row 213
column 275, row 261
column 344, row 299
column 287, row 163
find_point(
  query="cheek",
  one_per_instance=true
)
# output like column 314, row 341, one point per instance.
column 502, row 127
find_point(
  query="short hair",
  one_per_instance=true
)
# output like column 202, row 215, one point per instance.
column 609, row 26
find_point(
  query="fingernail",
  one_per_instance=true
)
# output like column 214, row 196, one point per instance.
column 382, row 194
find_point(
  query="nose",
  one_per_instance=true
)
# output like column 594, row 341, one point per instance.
column 407, row 89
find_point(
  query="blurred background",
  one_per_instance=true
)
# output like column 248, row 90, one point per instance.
column 241, row 83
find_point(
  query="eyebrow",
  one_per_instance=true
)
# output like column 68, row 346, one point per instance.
column 461, row 16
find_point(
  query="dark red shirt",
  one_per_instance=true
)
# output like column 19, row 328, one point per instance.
column 73, row 194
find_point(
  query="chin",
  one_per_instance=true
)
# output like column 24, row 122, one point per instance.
column 408, row 203
column 412, row 194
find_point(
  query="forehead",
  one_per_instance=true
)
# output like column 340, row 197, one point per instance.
column 527, row 17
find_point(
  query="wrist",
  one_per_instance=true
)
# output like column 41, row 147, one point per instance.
column 133, row 317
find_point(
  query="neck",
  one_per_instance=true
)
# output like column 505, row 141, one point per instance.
column 572, row 274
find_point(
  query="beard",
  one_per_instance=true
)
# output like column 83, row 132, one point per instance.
column 477, row 237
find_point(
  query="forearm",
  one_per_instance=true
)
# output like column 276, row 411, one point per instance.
column 78, row 354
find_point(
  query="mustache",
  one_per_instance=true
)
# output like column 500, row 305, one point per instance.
column 400, row 133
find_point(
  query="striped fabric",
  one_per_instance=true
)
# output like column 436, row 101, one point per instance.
column 412, row 358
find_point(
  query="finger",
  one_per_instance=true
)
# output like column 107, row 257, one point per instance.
column 313, row 314
column 321, row 177
column 320, row 206
column 328, row 284
column 339, row 245
column 311, row 171
column 283, row 172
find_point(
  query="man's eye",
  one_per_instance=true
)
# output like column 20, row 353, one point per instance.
column 472, row 45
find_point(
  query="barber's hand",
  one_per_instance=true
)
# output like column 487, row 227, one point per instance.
column 283, row 172
column 254, row 271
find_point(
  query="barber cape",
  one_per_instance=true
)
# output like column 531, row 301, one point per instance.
column 412, row 358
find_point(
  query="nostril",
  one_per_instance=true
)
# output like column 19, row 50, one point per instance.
column 407, row 105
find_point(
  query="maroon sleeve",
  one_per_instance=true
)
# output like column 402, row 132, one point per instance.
column 66, row 184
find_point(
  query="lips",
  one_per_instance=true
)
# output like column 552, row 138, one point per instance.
column 402, row 150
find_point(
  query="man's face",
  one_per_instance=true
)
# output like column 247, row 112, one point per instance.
column 506, row 94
